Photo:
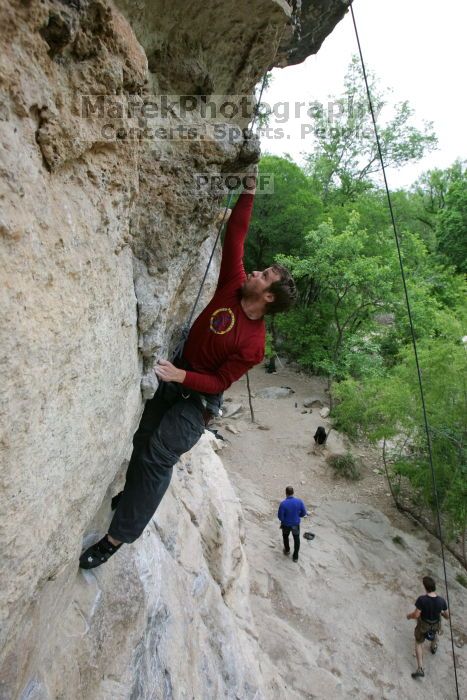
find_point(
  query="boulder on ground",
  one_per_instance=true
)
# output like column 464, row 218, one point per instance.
column 274, row 392
column 324, row 413
column 232, row 409
column 313, row 401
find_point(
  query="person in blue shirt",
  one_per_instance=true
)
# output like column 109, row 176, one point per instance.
column 290, row 511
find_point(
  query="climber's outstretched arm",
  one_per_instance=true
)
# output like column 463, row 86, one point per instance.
column 232, row 252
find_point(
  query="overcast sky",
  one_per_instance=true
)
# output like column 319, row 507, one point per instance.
column 416, row 47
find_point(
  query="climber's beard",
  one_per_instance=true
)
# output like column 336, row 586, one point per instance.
column 249, row 289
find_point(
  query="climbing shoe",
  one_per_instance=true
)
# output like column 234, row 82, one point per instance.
column 434, row 648
column 116, row 500
column 419, row 673
column 98, row 554
column 295, row 557
column 286, row 551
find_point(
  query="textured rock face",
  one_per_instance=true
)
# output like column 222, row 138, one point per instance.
column 168, row 618
column 102, row 244
column 309, row 26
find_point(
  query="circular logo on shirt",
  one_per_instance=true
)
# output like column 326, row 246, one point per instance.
column 222, row 321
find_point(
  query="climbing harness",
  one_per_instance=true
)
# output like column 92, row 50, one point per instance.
column 430, row 635
column 412, row 331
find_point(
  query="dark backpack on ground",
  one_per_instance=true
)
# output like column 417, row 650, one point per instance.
column 320, row 435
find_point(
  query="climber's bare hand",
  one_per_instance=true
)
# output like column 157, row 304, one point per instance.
column 167, row 372
column 249, row 180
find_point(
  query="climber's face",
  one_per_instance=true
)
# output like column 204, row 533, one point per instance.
column 257, row 284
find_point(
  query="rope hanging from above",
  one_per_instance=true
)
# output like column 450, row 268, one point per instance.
column 414, row 342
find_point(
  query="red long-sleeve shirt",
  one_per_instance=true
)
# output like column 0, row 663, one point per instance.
column 223, row 342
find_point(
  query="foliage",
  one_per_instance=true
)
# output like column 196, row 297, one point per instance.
column 441, row 199
column 389, row 407
column 432, row 187
column 451, row 225
column 351, row 284
column 269, row 345
column 344, row 466
column 281, row 219
column 346, row 152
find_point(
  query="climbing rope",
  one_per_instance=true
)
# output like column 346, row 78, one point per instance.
column 414, row 342
column 186, row 329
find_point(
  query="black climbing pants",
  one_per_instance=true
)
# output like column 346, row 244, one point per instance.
column 295, row 530
column 170, row 425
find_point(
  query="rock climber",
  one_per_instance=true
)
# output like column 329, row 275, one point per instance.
column 290, row 511
column 428, row 611
column 225, row 341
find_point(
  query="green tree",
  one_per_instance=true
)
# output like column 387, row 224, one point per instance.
column 451, row 225
column 432, row 187
column 428, row 199
column 344, row 278
column 345, row 154
column 388, row 407
column 281, row 219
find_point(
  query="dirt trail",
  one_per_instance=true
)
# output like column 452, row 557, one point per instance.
column 334, row 624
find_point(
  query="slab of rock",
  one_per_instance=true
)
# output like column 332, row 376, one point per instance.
column 181, row 585
column 313, row 401
column 231, row 409
column 274, row 392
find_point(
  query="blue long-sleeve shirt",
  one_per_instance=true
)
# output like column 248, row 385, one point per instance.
column 291, row 510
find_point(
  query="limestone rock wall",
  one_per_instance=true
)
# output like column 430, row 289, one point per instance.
column 169, row 618
column 102, row 245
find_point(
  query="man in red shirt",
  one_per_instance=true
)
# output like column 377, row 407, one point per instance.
column 225, row 341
